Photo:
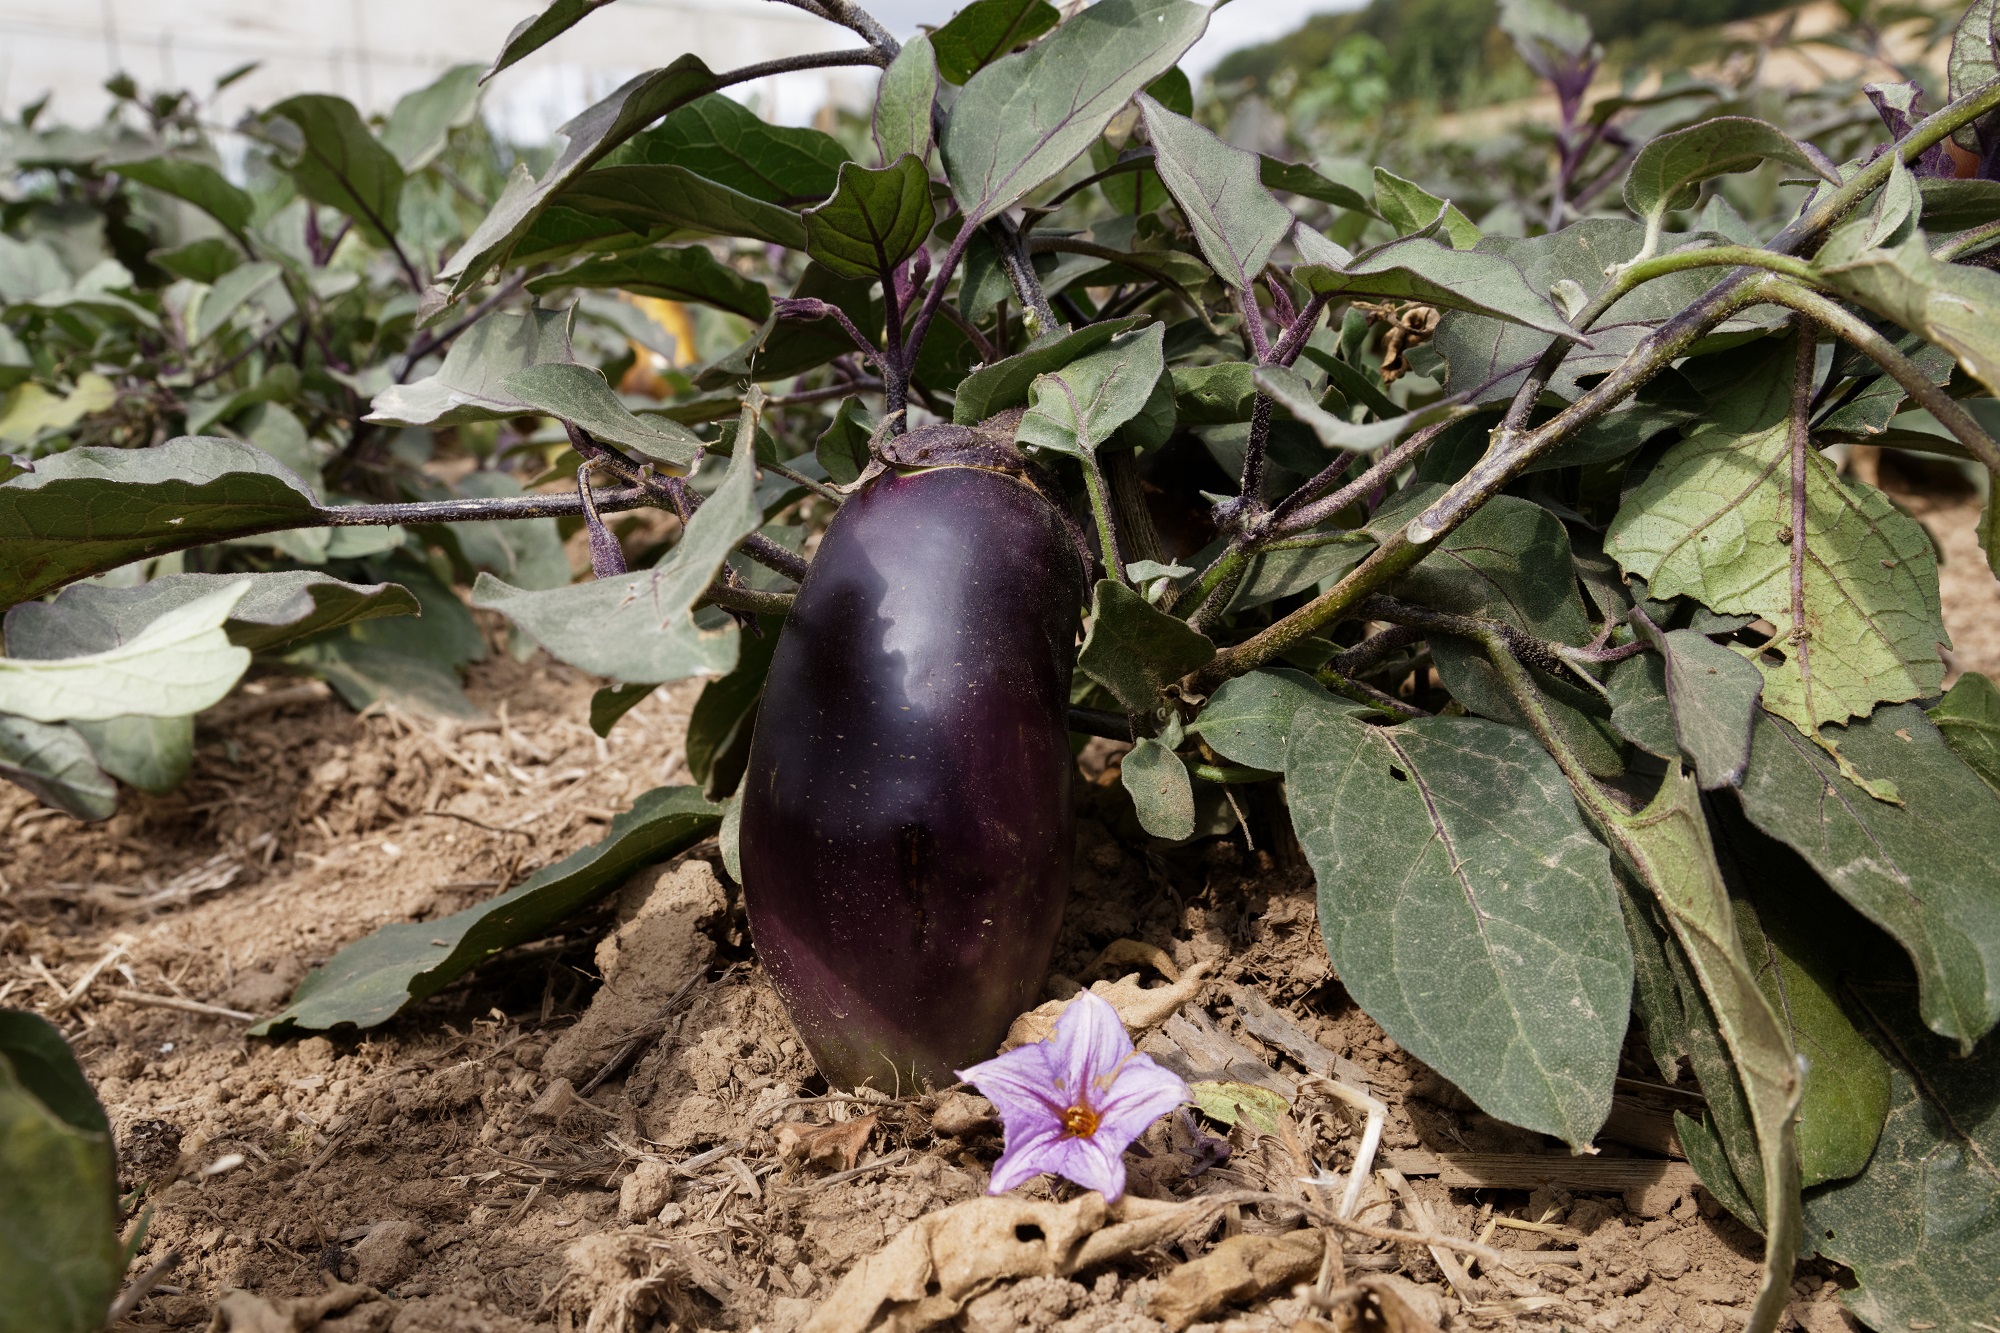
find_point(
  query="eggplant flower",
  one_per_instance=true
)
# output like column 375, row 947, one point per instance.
column 1072, row 1104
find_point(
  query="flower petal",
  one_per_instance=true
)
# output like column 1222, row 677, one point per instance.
column 1028, row 1155
column 1089, row 1042
column 1093, row 1164
column 1021, row 1086
column 1141, row 1094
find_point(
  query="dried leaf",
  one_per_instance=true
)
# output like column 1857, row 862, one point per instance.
column 1138, row 1008
column 838, row 1145
column 1239, row 1270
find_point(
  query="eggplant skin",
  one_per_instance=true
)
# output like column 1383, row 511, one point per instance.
column 907, row 829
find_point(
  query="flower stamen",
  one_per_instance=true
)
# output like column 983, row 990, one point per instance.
column 1079, row 1121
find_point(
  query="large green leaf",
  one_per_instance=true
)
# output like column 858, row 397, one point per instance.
column 60, row 1258
column 639, row 628
column 985, row 30
column 1236, row 222
column 337, row 162
column 93, row 509
column 582, row 395
column 1667, row 171
column 1922, row 870
column 874, row 221
column 1467, row 909
column 1162, row 792
column 1409, row 207
column 1026, row 116
column 904, row 101
column 720, row 724
column 654, row 198
column 471, row 384
column 370, row 981
column 1134, row 648
column 673, row 273
column 1969, row 717
column 1077, row 409
column 275, row 609
column 1289, row 390
column 1974, row 60
column 1921, row 1226
column 720, row 139
column 55, row 764
column 588, row 137
column 1006, row 382
column 421, row 124
column 1956, row 306
column 179, row 664
column 1302, row 180
column 1417, row 268
column 1713, row 521
column 152, row 754
column 197, row 182
column 1699, row 699
column 231, row 292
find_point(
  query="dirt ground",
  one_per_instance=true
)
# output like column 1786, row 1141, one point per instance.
column 465, row 1168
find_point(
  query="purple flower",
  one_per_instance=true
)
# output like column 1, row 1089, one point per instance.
column 1073, row 1104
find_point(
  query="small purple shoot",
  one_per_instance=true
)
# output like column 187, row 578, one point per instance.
column 1072, row 1104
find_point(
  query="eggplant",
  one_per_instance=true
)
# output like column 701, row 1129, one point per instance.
column 907, row 830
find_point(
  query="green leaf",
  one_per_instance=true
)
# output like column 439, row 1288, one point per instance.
column 1667, row 171
column 719, row 726
column 531, row 34
column 179, row 664
column 1957, row 205
column 152, row 754
column 1006, row 382
column 197, row 182
column 55, row 765
column 421, row 125
column 1289, row 390
column 1699, row 700
column 1076, row 409
column 843, row 448
column 904, row 101
column 1921, row 1226
column 639, row 628
column 1214, row 394
column 1956, row 306
column 1228, row 1103
column 985, row 30
column 1409, row 207
column 1282, row 571
column 231, row 292
column 1134, row 648
column 1297, row 178
column 874, row 221
column 1969, row 718
column 1467, row 909
column 1974, row 60
column 587, row 138
column 340, row 164
column 92, row 509
column 1162, row 792
column 1801, row 941
column 1417, row 268
column 1713, row 521
column 662, row 197
column 613, row 702
column 60, row 1258
column 276, row 608
column 672, row 273
column 1236, row 222
column 1248, row 718
column 582, row 395
column 721, row 140
column 471, row 384
column 1026, row 116
column 1921, row 870
column 372, row 980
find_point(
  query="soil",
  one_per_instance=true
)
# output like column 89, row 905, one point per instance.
column 533, row 1148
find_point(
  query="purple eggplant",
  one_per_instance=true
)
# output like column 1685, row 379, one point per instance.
column 907, row 830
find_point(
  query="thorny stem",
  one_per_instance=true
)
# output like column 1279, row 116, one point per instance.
column 747, row 600
column 1219, row 582
column 1396, row 710
column 1250, row 491
column 1948, row 411
column 854, row 18
column 1301, row 511
column 1021, row 273
column 1968, row 242
column 1100, row 509
column 1558, row 659
column 1801, row 446
column 562, row 504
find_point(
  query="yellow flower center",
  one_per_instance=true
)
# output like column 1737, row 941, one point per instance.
column 1079, row 1121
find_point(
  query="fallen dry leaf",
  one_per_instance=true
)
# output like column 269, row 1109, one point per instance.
column 837, row 1145
column 1138, row 1008
column 1379, row 1303
column 1240, row 1269
column 246, row 1312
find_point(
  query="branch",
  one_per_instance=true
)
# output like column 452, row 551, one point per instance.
column 1953, row 417
column 1801, row 445
column 1021, row 273
column 562, row 504
column 1300, row 511
column 1968, row 242
column 430, row 342
column 854, row 18
column 747, row 600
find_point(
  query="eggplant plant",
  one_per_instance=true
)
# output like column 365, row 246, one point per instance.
column 1505, row 553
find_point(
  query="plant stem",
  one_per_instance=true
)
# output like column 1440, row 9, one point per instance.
column 1097, row 722
column 1300, row 511
column 1968, row 242
column 1100, row 509
column 1021, row 273
column 940, row 279
column 563, row 504
column 1230, row 773
column 855, row 18
column 1801, row 445
column 1949, row 413
column 747, row 600
column 430, row 342
column 1382, row 702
